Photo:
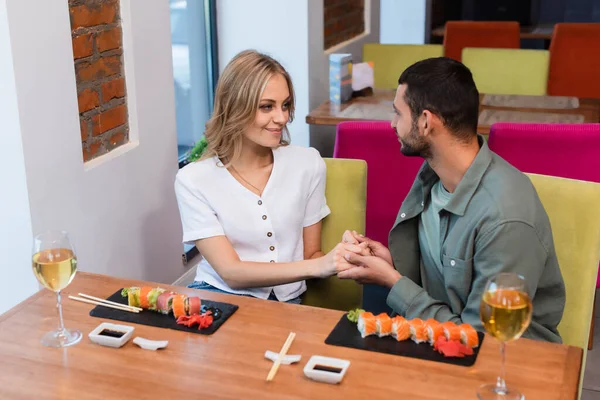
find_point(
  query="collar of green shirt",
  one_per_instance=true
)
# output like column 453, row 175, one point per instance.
column 426, row 178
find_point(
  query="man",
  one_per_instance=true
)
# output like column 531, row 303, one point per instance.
column 468, row 216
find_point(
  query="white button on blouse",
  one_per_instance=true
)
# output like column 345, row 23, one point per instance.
column 260, row 229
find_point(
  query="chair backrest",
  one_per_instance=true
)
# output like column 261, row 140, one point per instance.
column 346, row 196
column 389, row 179
column 572, row 207
column 508, row 71
column 390, row 60
column 563, row 150
column 575, row 60
column 461, row 34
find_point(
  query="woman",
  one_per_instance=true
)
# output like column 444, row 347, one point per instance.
column 253, row 204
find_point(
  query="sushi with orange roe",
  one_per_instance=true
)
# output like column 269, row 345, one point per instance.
column 384, row 325
column 367, row 324
column 433, row 329
column 417, row 330
column 468, row 336
column 451, row 331
column 400, row 328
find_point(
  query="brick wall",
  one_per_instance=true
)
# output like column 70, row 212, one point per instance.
column 343, row 20
column 101, row 94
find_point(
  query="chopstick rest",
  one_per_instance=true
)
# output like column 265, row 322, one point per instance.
column 150, row 344
column 287, row 360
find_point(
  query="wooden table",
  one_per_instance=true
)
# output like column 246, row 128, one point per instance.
column 541, row 31
column 379, row 105
column 230, row 364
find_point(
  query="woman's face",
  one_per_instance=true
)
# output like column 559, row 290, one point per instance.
column 272, row 115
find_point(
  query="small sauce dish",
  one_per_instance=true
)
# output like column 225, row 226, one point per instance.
column 111, row 335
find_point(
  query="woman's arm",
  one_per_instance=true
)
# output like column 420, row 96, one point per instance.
column 237, row 274
column 311, row 236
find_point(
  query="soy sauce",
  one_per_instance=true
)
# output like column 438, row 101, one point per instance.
column 327, row 368
column 111, row 333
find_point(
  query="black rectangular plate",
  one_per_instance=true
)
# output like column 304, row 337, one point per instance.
column 159, row 320
column 346, row 334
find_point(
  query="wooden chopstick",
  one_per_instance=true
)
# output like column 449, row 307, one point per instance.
column 280, row 356
column 119, row 307
column 87, row 296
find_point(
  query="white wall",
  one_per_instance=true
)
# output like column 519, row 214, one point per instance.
column 323, row 137
column 403, row 21
column 278, row 28
column 17, row 280
column 120, row 209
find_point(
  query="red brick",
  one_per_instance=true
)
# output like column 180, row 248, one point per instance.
column 116, row 140
column 108, row 40
column 101, row 68
column 94, row 13
column 91, row 152
column 109, row 119
column 113, row 89
column 82, row 46
column 84, row 130
column 88, row 99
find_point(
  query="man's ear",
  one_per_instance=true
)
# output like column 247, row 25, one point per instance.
column 426, row 122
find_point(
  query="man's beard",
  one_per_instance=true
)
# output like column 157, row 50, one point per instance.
column 414, row 145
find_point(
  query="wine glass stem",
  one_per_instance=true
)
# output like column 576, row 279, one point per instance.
column 61, row 324
column 501, row 384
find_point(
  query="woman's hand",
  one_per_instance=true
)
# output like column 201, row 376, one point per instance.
column 334, row 261
column 376, row 248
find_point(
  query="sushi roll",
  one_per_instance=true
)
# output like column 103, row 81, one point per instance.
column 384, row 325
column 367, row 324
column 451, row 331
column 468, row 336
column 143, row 296
column 417, row 330
column 178, row 304
column 192, row 305
column 434, row 330
column 133, row 295
column 153, row 297
column 164, row 302
column 400, row 328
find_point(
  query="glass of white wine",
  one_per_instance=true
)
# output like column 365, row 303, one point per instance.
column 506, row 313
column 54, row 265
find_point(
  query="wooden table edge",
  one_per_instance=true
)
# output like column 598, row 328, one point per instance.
column 572, row 373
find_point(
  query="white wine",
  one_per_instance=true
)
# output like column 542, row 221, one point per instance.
column 506, row 313
column 54, row 268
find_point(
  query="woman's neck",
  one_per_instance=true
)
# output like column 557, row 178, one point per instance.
column 253, row 156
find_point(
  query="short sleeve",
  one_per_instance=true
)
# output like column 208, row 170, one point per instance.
column 316, row 206
column 198, row 218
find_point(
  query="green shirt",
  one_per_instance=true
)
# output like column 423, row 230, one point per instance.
column 429, row 226
column 494, row 222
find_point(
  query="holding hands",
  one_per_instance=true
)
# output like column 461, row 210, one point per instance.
column 365, row 261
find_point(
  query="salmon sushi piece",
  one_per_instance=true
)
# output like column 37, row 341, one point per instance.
column 178, row 305
column 451, row 331
column 433, row 329
column 384, row 325
column 367, row 324
column 143, row 297
column 468, row 336
column 417, row 330
column 400, row 328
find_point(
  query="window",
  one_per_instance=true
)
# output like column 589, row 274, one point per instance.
column 194, row 51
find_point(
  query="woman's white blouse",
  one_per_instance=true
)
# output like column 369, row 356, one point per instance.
column 261, row 229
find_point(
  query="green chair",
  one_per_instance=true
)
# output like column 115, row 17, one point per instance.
column 390, row 60
column 508, row 71
column 572, row 207
column 346, row 192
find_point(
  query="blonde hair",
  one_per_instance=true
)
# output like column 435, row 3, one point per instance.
column 237, row 99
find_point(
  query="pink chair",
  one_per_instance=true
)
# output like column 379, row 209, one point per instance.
column 390, row 176
column 563, row 150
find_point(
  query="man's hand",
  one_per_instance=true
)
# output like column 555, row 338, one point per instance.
column 376, row 248
column 367, row 269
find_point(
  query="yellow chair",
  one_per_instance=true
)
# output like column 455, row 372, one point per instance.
column 508, row 71
column 346, row 193
column 390, row 60
column 572, row 207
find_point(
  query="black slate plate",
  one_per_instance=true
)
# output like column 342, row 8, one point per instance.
column 153, row 318
column 346, row 334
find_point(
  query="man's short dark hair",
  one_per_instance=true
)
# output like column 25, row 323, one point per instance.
column 446, row 88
